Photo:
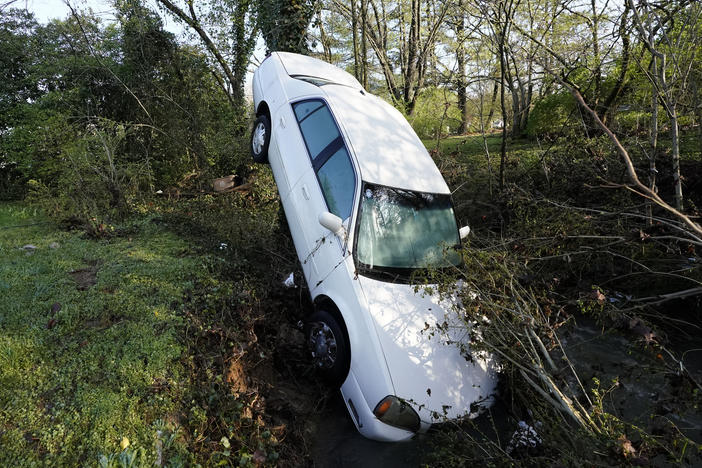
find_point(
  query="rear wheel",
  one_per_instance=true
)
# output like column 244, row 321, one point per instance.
column 260, row 139
column 327, row 344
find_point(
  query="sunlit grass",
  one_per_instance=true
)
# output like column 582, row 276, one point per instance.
column 74, row 383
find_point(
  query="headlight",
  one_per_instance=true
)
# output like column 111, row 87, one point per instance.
column 395, row 412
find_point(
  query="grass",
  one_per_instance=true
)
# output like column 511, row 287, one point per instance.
column 164, row 346
column 77, row 381
column 158, row 343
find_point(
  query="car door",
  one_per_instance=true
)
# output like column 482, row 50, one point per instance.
column 329, row 185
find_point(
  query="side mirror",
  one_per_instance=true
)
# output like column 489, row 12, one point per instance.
column 464, row 231
column 332, row 222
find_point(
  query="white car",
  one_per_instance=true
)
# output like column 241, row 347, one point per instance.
column 367, row 206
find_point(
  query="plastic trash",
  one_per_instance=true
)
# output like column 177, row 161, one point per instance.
column 290, row 281
column 524, row 438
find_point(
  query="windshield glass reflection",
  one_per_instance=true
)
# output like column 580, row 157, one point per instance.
column 405, row 230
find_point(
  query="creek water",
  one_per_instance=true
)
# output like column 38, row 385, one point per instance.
column 650, row 393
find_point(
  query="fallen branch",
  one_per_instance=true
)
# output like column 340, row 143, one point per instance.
column 641, row 188
column 666, row 297
column 239, row 188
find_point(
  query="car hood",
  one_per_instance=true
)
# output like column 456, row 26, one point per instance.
column 425, row 370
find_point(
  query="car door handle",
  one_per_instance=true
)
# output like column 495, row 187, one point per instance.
column 305, row 193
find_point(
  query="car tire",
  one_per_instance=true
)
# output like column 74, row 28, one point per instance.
column 326, row 341
column 260, row 139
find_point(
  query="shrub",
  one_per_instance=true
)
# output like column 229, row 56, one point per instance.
column 550, row 115
column 630, row 122
column 11, row 181
column 96, row 184
column 429, row 111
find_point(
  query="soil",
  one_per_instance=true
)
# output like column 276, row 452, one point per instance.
column 650, row 392
column 85, row 277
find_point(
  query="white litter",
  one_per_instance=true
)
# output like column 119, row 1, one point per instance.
column 524, row 436
column 290, row 281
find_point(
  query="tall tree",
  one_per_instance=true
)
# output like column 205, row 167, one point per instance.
column 667, row 31
column 461, row 81
column 283, row 23
column 403, row 36
column 227, row 30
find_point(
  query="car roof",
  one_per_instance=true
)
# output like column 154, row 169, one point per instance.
column 386, row 147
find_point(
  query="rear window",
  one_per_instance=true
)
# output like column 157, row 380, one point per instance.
column 317, row 126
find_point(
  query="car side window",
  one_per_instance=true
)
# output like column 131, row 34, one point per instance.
column 329, row 155
column 337, row 179
column 317, row 126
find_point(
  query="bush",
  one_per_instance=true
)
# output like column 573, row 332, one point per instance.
column 631, row 122
column 95, row 186
column 429, row 113
column 11, row 181
column 550, row 115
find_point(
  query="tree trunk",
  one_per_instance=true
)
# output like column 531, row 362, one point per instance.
column 653, row 140
column 485, row 143
column 493, row 100
column 461, row 84
column 503, row 144
column 611, row 100
column 354, row 41
column 364, row 47
column 675, row 149
column 327, row 54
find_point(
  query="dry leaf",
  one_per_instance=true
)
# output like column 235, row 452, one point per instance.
column 625, row 446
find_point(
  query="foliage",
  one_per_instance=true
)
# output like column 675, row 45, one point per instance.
column 17, row 35
column 180, row 352
column 151, row 346
column 94, row 189
column 550, row 115
column 283, row 23
column 435, row 107
column 133, row 74
column 227, row 31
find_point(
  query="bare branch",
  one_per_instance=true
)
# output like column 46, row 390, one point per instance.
column 99, row 60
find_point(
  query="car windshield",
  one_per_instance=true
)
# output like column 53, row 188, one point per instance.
column 405, row 230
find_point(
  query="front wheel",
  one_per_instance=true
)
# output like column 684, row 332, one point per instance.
column 260, row 139
column 327, row 344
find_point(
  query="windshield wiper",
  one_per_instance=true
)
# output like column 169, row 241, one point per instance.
column 401, row 276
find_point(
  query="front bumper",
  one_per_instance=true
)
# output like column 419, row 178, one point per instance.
column 364, row 419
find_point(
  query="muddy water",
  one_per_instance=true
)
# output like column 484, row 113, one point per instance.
column 337, row 443
column 649, row 393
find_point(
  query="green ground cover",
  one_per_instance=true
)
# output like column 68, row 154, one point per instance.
column 171, row 330
column 167, row 340
column 77, row 380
